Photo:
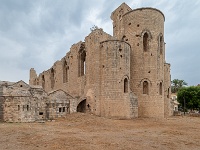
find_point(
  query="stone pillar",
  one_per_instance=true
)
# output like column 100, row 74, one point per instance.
column 33, row 77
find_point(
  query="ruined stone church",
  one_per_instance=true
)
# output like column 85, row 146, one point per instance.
column 122, row 76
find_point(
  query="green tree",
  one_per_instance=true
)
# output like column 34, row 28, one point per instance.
column 191, row 95
column 176, row 84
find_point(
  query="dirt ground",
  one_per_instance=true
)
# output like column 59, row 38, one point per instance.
column 88, row 132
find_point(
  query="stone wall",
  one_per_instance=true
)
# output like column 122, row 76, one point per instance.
column 58, row 104
column 1, row 108
column 168, row 107
column 20, row 102
column 115, row 79
column 20, row 109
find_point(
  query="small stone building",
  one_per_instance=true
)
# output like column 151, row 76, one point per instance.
column 123, row 75
column 20, row 102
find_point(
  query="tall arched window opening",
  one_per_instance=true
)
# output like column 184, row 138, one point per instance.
column 52, row 78
column 125, row 85
column 168, row 93
column 145, row 87
column 160, row 88
column 145, row 42
column 65, row 72
column 161, row 44
column 82, row 61
column 43, row 82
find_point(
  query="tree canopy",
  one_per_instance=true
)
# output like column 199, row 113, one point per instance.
column 176, row 84
column 191, row 95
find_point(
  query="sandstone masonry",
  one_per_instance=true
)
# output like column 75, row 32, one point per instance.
column 20, row 102
column 124, row 75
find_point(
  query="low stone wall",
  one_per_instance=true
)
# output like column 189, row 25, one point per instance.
column 195, row 114
column 178, row 113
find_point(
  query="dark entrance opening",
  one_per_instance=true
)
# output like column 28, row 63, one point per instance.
column 82, row 106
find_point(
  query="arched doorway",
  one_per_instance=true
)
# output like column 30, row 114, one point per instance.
column 82, row 106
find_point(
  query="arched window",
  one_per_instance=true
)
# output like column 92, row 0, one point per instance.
column 65, row 72
column 43, row 81
column 145, row 42
column 82, row 64
column 145, row 87
column 168, row 93
column 161, row 44
column 52, row 78
column 125, row 85
column 160, row 88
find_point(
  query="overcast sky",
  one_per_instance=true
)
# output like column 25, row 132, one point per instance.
column 36, row 33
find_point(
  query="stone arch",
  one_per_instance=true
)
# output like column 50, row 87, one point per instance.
column 122, row 79
column 146, row 37
column 125, row 81
column 145, row 87
column 81, row 107
column 145, row 79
